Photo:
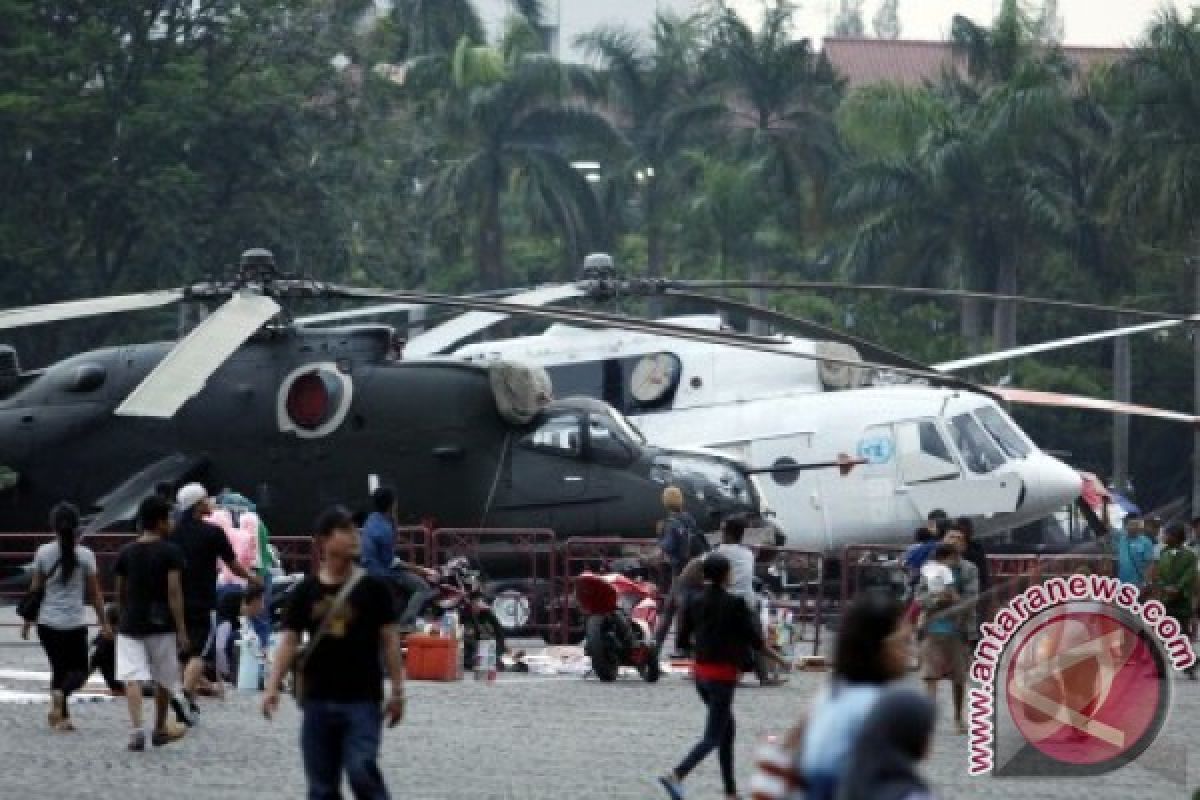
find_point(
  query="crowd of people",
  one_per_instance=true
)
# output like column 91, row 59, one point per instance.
column 193, row 574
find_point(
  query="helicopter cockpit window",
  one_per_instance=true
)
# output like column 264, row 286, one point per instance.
column 979, row 452
column 607, row 446
column 561, row 435
column 1003, row 431
column 923, row 454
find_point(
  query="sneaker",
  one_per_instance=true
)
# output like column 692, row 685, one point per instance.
column 137, row 741
column 160, row 738
column 672, row 786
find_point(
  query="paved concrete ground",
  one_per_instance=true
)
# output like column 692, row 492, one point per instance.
column 524, row 738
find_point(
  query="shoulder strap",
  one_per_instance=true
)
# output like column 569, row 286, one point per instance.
column 339, row 600
column 53, row 569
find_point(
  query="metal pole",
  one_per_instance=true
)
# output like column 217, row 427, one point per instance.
column 1122, row 393
column 1194, row 263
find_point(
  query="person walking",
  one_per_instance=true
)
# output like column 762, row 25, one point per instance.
column 379, row 558
column 947, row 598
column 723, row 632
column 202, row 545
column 871, row 651
column 350, row 619
column 896, row 736
column 1175, row 581
column 1134, row 550
column 151, row 633
column 63, row 569
column 679, row 541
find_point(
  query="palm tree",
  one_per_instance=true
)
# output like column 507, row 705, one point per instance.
column 662, row 103
column 1162, row 184
column 780, row 96
column 1021, row 85
column 507, row 111
column 973, row 195
column 727, row 203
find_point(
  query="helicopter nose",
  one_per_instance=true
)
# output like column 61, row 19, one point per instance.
column 1051, row 485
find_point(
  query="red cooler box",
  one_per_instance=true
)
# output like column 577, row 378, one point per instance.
column 433, row 658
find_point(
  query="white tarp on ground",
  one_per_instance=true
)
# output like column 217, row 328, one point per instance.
column 572, row 661
column 26, row 687
column 520, row 390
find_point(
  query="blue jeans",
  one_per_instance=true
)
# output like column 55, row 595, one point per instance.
column 342, row 736
column 719, row 732
column 262, row 623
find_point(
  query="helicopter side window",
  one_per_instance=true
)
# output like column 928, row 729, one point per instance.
column 924, row 456
column 561, row 436
column 1003, row 431
column 606, row 445
column 978, row 450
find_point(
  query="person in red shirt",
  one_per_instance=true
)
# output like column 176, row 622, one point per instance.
column 722, row 635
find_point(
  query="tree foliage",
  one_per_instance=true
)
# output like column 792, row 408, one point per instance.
column 145, row 144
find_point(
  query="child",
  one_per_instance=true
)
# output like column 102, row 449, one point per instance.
column 234, row 614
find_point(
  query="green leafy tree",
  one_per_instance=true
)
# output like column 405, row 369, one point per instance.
column 504, row 111
column 781, row 97
column 662, row 104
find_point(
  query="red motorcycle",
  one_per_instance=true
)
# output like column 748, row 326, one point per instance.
column 622, row 614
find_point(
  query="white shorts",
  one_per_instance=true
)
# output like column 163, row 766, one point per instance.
column 148, row 658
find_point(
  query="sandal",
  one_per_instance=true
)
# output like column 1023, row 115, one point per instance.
column 65, row 726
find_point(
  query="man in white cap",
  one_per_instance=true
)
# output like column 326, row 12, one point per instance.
column 202, row 544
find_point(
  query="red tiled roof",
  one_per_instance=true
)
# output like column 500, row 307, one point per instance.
column 911, row 62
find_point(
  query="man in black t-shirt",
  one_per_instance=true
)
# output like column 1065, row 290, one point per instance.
column 343, row 720
column 151, row 626
column 202, row 544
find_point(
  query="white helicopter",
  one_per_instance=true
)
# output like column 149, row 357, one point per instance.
column 921, row 447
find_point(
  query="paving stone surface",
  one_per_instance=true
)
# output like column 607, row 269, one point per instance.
column 522, row 738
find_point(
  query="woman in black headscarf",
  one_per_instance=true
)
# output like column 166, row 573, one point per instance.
column 896, row 735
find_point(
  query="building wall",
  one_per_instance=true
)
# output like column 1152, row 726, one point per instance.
column 570, row 18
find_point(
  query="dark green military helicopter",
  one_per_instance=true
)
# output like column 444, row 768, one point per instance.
column 299, row 417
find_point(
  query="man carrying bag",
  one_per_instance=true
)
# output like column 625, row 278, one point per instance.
column 338, row 678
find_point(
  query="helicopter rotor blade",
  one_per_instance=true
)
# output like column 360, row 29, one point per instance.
column 441, row 338
column 1056, row 344
column 918, row 291
column 387, row 308
column 358, row 313
column 605, row 320
column 187, row 368
column 91, row 307
column 869, row 350
column 1056, row 400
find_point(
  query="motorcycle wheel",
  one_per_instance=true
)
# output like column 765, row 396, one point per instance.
column 651, row 670
column 599, row 649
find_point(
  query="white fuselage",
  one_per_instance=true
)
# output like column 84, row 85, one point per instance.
column 927, row 448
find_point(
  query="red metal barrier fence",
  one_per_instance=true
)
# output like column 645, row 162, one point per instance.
column 1011, row 575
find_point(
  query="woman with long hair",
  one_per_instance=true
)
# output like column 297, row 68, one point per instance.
column 723, row 632
column 63, row 569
